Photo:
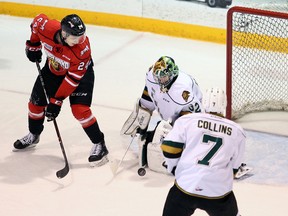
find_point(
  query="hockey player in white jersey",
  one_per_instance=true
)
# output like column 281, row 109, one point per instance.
column 171, row 93
column 202, row 150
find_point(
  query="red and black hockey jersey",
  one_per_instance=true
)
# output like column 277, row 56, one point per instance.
column 71, row 62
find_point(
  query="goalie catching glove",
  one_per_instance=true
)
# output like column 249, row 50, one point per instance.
column 139, row 118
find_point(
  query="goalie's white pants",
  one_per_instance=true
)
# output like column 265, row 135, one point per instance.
column 155, row 156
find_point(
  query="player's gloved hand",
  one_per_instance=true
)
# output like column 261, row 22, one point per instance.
column 33, row 51
column 53, row 109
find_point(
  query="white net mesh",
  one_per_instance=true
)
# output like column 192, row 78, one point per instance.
column 259, row 63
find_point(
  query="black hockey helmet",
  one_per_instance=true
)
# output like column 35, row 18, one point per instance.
column 73, row 25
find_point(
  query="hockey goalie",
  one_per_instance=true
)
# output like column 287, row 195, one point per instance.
column 170, row 93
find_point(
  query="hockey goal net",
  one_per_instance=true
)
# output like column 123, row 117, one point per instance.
column 257, row 61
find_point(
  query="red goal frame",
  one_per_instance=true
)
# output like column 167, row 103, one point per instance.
column 229, row 45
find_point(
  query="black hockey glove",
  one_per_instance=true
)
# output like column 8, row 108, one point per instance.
column 33, row 51
column 53, row 109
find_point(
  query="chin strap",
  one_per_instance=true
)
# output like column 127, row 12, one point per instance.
column 62, row 39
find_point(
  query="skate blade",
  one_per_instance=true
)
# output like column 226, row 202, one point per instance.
column 114, row 165
column 30, row 147
column 99, row 163
column 243, row 172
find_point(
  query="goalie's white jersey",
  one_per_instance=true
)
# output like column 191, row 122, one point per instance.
column 205, row 148
column 183, row 96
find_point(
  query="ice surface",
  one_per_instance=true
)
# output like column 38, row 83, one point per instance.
column 28, row 183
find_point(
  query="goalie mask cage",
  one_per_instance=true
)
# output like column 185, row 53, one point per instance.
column 257, row 61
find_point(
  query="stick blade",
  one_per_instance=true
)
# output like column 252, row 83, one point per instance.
column 63, row 172
column 114, row 165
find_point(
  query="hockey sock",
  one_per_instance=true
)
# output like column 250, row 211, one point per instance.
column 94, row 133
column 36, row 126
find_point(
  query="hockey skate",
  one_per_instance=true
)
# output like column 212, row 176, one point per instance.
column 28, row 141
column 98, row 155
column 243, row 170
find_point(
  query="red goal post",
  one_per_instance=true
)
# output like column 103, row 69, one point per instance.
column 257, row 61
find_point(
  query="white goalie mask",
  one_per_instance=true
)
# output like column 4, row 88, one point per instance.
column 164, row 71
column 215, row 101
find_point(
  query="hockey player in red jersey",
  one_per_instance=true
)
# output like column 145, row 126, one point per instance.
column 68, row 73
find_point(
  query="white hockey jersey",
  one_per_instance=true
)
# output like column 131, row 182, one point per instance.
column 205, row 149
column 183, row 96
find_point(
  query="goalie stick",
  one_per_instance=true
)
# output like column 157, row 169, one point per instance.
column 63, row 172
column 113, row 163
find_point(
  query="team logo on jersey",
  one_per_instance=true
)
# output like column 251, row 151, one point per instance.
column 54, row 64
column 185, row 95
column 57, row 63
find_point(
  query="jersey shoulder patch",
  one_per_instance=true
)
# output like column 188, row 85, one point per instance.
column 182, row 89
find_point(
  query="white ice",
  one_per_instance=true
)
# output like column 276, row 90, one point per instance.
column 28, row 184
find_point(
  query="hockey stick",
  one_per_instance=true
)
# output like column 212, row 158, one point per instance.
column 113, row 163
column 63, row 172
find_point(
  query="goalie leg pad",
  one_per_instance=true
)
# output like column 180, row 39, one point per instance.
column 155, row 158
column 139, row 118
column 142, row 151
column 143, row 141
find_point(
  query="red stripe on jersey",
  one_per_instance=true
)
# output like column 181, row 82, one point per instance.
column 65, row 89
column 75, row 76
